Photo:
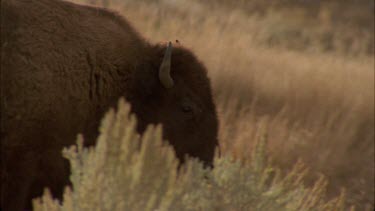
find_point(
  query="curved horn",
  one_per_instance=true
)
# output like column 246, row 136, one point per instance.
column 165, row 68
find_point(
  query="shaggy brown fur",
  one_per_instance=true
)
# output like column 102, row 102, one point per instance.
column 62, row 66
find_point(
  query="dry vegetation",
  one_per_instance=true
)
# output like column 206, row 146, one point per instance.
column 307, row 75
column 126, row 171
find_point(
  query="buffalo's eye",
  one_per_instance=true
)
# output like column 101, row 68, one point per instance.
column 187, row 108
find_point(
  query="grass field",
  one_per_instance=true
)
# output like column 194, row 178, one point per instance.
column 310, row 78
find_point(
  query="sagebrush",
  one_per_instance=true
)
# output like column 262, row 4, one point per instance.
column 126, row 171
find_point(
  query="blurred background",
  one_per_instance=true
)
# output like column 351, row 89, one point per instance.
column 306, row 67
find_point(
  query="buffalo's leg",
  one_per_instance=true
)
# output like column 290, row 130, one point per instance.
column 53, row 174
column 19, row 169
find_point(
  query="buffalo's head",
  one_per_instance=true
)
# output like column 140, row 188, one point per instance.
column 173, row 89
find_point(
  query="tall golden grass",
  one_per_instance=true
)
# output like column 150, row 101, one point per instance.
column 319, row 105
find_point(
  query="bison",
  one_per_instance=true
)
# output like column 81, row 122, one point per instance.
column 63, row 65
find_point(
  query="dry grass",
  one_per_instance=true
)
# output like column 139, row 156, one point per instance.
column 319, row 106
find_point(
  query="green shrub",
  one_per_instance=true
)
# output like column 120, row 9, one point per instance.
column 126, row 171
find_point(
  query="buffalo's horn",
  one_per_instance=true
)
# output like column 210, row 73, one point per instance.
column 165, row 68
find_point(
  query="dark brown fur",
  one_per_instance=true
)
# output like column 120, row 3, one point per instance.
column 62, row 66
